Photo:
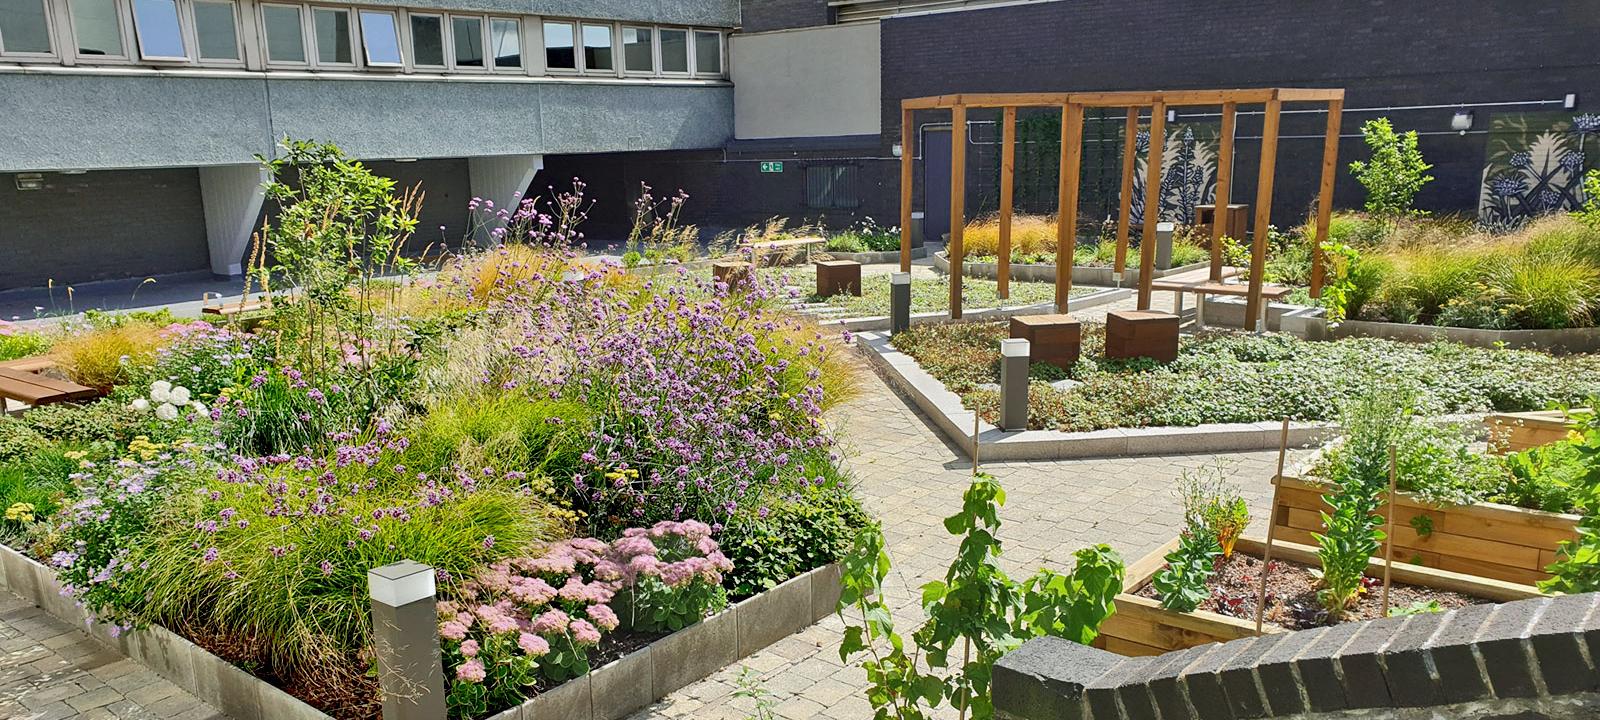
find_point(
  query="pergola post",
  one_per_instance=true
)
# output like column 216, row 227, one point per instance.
column 1130, row 154
column 1330, row 166
column 1067, row 209
column 1230, row 112
column 1258, row 249
column 1008, row 169
column 908, row 152
column 958, row 202
column 1152, row 202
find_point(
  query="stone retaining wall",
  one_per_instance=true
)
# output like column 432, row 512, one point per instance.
column 1530, row 659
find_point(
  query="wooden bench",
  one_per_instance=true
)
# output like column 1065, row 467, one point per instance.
column 233, row 308
column 1203, row 285
column 757, row 248
column 29, row 364
column 35, row 389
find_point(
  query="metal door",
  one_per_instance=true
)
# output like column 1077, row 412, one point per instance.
column 935, row 184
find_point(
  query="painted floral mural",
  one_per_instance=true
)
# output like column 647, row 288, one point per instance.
column 1535, row 166
column 1188, row 172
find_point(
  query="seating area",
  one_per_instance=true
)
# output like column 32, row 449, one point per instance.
column 24, row 381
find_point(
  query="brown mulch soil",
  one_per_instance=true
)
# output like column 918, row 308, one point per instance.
column 346, row 692
column 1292, row 594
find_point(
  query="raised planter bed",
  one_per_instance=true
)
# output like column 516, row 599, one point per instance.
column 876, row 258
column 1566, row 341
column 1523, row 430
column 1034, row 272
column 615, row 690
column 1142, row 627
column 1486, row 540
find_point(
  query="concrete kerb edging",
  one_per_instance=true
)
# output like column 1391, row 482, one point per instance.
column 875, row 258
column 1097, row 298
column 955, row 421
column 210, row 678
column 1046, row 272
column 613, row 691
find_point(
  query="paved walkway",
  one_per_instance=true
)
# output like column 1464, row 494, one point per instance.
column 913, row 479
column 50, row 670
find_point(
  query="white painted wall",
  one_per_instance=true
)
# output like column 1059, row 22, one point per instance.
column 814, row 82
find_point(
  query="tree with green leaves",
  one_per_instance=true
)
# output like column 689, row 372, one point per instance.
column 1395, row 172
column 975, row 614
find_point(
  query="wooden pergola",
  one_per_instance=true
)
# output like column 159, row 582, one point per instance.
column 1072, row 106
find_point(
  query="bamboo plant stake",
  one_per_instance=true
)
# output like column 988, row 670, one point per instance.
column 974, row 442
column 1388, row 534
column 1272, row 523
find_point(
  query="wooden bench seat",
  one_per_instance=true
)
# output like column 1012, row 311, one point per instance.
column 230, row 309
column 757, row 248
column 29, row 364
column 1202, row 285
column 35, row 389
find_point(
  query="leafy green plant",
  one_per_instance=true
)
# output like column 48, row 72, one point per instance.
column 811, row 529
column 1590, row 213
column 1423, row 524
column 1420, row 607
column 1577, row 565
column 976, row 611
column 1546, row 477
column 1182, row 583
column 1350, row 538
column 749, row 687
column 1212, row 505
column 1394, row 173
column 22, row 344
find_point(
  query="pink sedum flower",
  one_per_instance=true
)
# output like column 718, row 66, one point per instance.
column 533, row 645
column 471, row 671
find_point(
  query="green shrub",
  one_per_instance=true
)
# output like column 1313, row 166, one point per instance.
column 108, row 420
column 38, row 483
column 790, row 536
column 1394, row 173
column 1547, row 477
column 1577, row 565
column 18, row 440
column 1182, row 582
column 22, row 344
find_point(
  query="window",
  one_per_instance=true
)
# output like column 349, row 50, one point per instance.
column 160, row 34
column 707, row 53
column 831, row 187
column 332, row 29
column 597, row 48
column 427, row 40
column 97, row 28
column 637, row 53
column 216, row 30
column 674, row 51
column 559, row 52
column 380, row 39
column 505, row 39
column 286, row 40
column 468, row 35
column 24, row 27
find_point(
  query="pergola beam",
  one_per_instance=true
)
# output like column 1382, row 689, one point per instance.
column 958, row 204
column 1330, row 168
column 908, row 152
column 1008, row 170
column 1219, row 216
column 1130, row 153
column 1152, row 203
column 1258, row 252
column 1067, row 203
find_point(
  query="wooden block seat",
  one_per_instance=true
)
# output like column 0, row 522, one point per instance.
column 836, row 277
column 36, row 389
column 733, row 273
column 1141, row 333
column 1053, row 339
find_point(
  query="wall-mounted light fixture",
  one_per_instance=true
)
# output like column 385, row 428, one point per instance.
column 1172, row 116
column 897, row 149
column 30, row 181
column 405, row 160
column 73, row 172
column 1570, row 102
column 1461, row 122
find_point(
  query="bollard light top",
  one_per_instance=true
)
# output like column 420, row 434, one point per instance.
column 400, row 583
column 1014, row 347
column 900, row 278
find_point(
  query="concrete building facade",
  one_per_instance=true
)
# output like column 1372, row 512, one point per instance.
column 132, row 127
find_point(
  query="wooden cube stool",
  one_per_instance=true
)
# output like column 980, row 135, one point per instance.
column 1141, row 333
column 732, row 272
column 836, row 277
column 1054, row 339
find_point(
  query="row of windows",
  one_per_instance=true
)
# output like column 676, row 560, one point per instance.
column 219, row 32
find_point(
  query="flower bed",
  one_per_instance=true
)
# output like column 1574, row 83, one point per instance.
column 1229, row 377
column 1143, row 627
column 571, row 447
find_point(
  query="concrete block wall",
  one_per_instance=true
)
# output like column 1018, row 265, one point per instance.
column 101, row 225
column 1530, row 659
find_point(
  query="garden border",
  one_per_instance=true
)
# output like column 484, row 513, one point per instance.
column 1565, row 341
column 612, row 691
column 1104, row 296
column 875, row 258
column 1146, row 618
column 955, row 422
column 1035, row 272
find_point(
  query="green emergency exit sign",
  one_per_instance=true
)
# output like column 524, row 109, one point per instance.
column 772, row 167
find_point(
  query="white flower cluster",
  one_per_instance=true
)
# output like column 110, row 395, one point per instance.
column 167, row 400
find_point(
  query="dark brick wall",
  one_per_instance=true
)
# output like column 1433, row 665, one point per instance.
column 100, row 225
column 446, row 192
column 1384, row 52
column 762, row 15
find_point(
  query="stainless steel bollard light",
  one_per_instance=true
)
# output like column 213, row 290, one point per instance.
column 899, row 302
column 405, row 634
column 1014, row 384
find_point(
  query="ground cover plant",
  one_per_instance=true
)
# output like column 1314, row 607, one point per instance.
column 1224, row 376
column 568, row 444
column 865, row 236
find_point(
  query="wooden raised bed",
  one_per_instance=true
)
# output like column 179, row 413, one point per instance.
column 1488, row 540
column 1142, row 627
column 1523, row 430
